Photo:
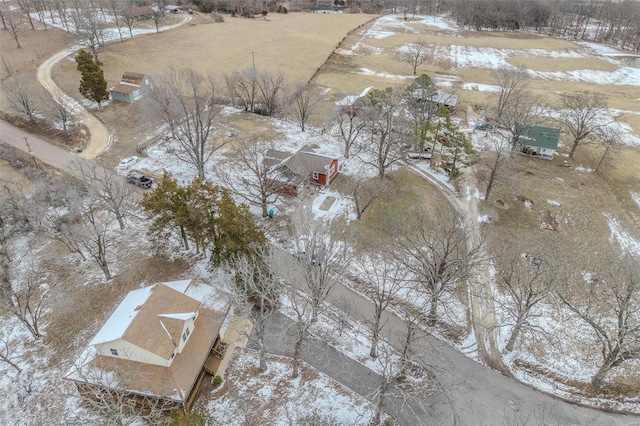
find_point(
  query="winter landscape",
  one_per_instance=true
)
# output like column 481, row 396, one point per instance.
column 418, row 215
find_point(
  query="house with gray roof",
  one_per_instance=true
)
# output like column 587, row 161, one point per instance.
column 299, row 168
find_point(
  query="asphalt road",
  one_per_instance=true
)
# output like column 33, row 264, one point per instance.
column 477, row 395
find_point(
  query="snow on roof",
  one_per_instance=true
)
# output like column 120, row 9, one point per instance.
column 180, row 285
column 184, row 316
column 127, row 310
column 351, row 99
column 121, row 318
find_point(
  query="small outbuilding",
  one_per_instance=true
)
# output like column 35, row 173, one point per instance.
column 131, row 87
column 538, row 141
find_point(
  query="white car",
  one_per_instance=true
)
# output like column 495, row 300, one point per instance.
column 127, row 162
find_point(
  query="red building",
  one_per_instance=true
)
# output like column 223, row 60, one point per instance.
column 291, row 171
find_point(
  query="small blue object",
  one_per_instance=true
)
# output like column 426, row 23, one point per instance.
column 271, row 213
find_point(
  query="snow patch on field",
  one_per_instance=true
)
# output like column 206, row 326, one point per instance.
column 635, row 196
column 627, row 242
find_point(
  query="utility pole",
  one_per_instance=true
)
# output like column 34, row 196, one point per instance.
column 33, row 157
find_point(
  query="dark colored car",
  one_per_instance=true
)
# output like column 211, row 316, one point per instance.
column 484, row 126
column 139, row 180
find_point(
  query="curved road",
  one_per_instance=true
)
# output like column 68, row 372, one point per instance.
column 475, row 394
column 100, row 138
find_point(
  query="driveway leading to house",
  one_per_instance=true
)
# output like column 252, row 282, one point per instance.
column 100, row 137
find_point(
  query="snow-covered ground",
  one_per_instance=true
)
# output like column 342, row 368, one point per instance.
column 274, row 398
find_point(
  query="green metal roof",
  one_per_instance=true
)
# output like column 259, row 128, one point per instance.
column 539, row 136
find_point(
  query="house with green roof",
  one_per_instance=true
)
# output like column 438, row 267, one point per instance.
column 538, row 140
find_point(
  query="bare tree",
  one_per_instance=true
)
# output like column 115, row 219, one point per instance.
column 501, row 148
column 257, row 292
column 4, row 27
column 21, row 97
column 381, row 280
column 27, row 297
column 115, row 11
column 109, row 188
column 13, row 21
column 24, row 289
column 322, row 254
column 249, row 174
column 512, row 84
column 270, row 86
column 350, row 124
column 518, row 114
column 526, row 279
column 63, row 108
column 7, row 353
column 304, row 103
column 129, row 19
column 383, row 120
column 610, row 305
column 416, row 54
column 92, row 234
column 364, row 191
column 89, row 24
column 611, row 140
column 583, row 116
column 243, row 86
column 157, row 14
column 187, row 102
column 304, row 311
column 437, row 249
column 25, row 7
column 84, row 226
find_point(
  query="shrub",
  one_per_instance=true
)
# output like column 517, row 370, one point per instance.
column 217, row 381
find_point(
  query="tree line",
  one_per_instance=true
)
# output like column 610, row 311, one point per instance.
column 602, row 21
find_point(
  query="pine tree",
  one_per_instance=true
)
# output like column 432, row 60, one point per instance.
column 205, row 214
column 93, row 86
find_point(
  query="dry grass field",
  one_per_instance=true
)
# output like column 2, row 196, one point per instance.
column 370, row 59
column 294, row 44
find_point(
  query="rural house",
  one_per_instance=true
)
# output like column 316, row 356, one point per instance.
column 142, row 12
column 353, row 101
column 156, row 347
column 538, row 140
column 438, row 97
column 131, row 87
column 297, row 169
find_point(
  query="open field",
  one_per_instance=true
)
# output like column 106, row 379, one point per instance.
column 465, row 61
column 294, row 44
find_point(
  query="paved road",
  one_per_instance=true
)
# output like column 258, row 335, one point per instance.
column 477, row 395
column 414, row 410
column 41, row 149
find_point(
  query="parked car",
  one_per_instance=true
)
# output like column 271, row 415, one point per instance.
column 127, row 162
column 484, row 126
column 140, row 180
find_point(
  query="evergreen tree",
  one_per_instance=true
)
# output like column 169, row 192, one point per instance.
column 205, row 214
column 93, row 86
